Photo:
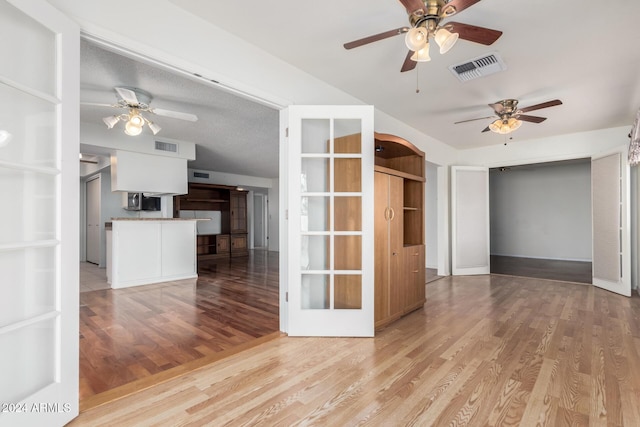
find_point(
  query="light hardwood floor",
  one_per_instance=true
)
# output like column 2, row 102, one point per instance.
column 484, row 351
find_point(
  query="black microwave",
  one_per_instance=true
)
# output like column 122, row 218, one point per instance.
column 140, row 202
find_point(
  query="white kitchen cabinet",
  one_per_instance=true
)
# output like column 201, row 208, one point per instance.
column 144, row 251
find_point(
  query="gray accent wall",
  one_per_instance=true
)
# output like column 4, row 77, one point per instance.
column 542, row 211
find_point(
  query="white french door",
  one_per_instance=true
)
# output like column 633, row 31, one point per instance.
column 39, row 234
column 470, row 237
column 329, row 251
column 611, row 222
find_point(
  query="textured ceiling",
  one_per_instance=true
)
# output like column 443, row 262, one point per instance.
column 232, row 134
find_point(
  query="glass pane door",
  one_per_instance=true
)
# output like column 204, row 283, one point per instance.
column 330, row 221
column 39, row 220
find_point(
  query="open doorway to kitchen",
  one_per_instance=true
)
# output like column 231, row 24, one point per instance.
column 131, row 338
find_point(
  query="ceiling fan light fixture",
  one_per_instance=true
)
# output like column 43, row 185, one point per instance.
column 416, row 38
column 111, row 121
column 132, row 128
column 421, row 55
column 154, row 127
column 504, row 127
column 445, row 39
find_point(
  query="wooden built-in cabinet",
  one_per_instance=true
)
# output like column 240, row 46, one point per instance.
column 399, row 228
column 232, row 204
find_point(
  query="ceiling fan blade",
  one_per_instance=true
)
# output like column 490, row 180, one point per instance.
column 539, row 106
column 375, row 38
column 482, row 35
column 473, row 120
column 456, row 6
column 486, row 129
column 97, row 104
column 532, row 119
column 408, row 64
column 413, row 5
column 174, row 114
column 128, row 95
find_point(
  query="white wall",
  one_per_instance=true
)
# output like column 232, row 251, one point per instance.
column 561, row 147
column 542, row 211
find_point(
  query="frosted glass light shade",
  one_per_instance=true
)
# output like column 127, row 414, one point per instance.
column 136, row 120
column 154, row 128
column 502, row 127
column 111, row 121
column 416, row 38
column 132, row 129
column 421, row 55
column 445, row 39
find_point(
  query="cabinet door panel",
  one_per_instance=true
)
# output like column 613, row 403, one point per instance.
column 222, row 243
column 415, row 283
column 381, row 246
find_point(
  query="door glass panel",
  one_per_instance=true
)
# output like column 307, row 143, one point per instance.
column 348, row 253
column 27, row 128
column 35, row 270
column 348, row 291
column 314, row 212
column 31, row 49
column 32, row 197
column 28, row 359
column 315, row 175
column 348, row 136
column 314, row 253
column 315, row 134
column 348, row 213
column 348, row 175
column 315, row 292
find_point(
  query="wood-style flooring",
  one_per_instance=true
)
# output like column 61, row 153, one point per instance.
column 484, row 351
column 550, row 269
column 131, row 334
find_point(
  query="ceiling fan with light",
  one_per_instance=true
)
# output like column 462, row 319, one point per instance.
column 510, row 117
column 137, row 101
column 425, row 17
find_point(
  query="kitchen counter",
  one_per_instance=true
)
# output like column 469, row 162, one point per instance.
column 141, row 251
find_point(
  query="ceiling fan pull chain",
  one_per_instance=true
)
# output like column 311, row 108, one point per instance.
column 418, row 78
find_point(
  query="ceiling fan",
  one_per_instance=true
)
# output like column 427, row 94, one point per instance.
column 425, row 17
column 510, row 117
column 135, row 101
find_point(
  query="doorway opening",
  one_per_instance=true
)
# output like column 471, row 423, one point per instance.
column 131, row 337
column 540, row 220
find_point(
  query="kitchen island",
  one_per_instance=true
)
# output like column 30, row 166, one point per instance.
column 141, row 251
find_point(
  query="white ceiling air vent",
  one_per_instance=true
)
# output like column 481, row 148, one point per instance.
column 166, row 146
column 478, row 67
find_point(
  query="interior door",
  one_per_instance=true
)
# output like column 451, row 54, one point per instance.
column 610, row 207
column 39, row 235
column 93, row 221
column 470, row 244
column 330, row 220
